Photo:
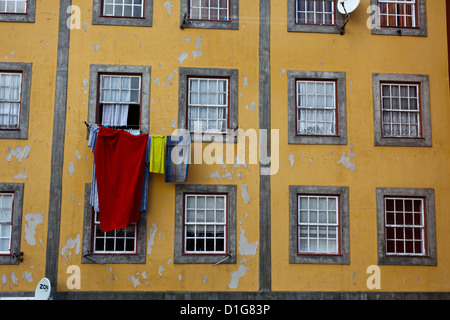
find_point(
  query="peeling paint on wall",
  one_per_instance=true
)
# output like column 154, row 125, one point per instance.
column 197, row 53
column 246, row 248
column 4, row 280
column 346, row 160
column 20, row 176
column 19, row 153
column 169, row 7
column 198, row 42
column 32, row 220
column 71, row 168
column 14, row 279
column 151, row 238
column 27, row 276
column 245, row 195
column 71, row 244
column 236, row 276
column 183, row 56
column 134, row 280
column 291, row 160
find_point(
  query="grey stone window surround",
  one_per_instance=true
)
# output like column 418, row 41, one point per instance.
column 25, row 69
column 232, row 24
column 98, row 19
column 341, row 136
column 420, row 31
column 233, row 76
column 180, row 191
column 428, row 194
column 344, row 229
column 425, row 116
column 89, row 257
column 292, row 26
column 17, row 189
column 145, row 71
column 21, row 17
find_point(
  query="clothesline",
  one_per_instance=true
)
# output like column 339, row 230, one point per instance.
column 116, row 154
column 89, row 125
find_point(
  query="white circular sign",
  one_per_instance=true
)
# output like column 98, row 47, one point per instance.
column 349, row 5
column 42, row 290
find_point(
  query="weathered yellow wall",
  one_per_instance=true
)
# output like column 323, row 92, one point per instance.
column 359, row 54
column 159, row 46
column 34, row 43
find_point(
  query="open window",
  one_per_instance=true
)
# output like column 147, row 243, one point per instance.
column 119, row 97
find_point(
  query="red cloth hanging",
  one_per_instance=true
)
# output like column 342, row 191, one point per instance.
column 119, row 165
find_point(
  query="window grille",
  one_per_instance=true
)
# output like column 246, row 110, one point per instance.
column 316, row 107
column 6, row 211
column 320, row 12
column 400, row 110
column 398, row 13
column 208, row 105
column 120, row 241
column 123, row 8
column 10, row 98
column 214, row 10
column 13, row 6
column 120, row 98
column 405, row 226
column 318, row 224
column 205, row 227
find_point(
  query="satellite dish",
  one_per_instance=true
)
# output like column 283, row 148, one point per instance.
column 42, row 290
column 347, row 6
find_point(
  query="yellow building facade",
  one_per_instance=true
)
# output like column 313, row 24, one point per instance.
column 362, row 157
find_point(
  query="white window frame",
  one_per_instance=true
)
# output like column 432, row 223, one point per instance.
column 398, row 224
column 114, row 5
column 313, row 242
column 114, row 236
column 13, row 256
column 90, row 227
column 425, row 137
column 229, row 256
column 429, row 258
column 124, row 98
column 231, row 23
column 15, row 2
column 404, row 113
column 315, row 11
column 396, row 14
column 208, row 106
column 342, row 254
column 96, row 70
column 6, row 88
column 420, row 21
column 306, row 108
column 120, row 90
column 5, row 224
column 208, row 8
column 198, row 226
column 100, row 17
column 340, row 104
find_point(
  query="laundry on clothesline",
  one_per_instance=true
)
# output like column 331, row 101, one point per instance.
column 123, row 161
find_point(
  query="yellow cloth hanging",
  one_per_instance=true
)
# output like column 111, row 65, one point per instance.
column 157, row 154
